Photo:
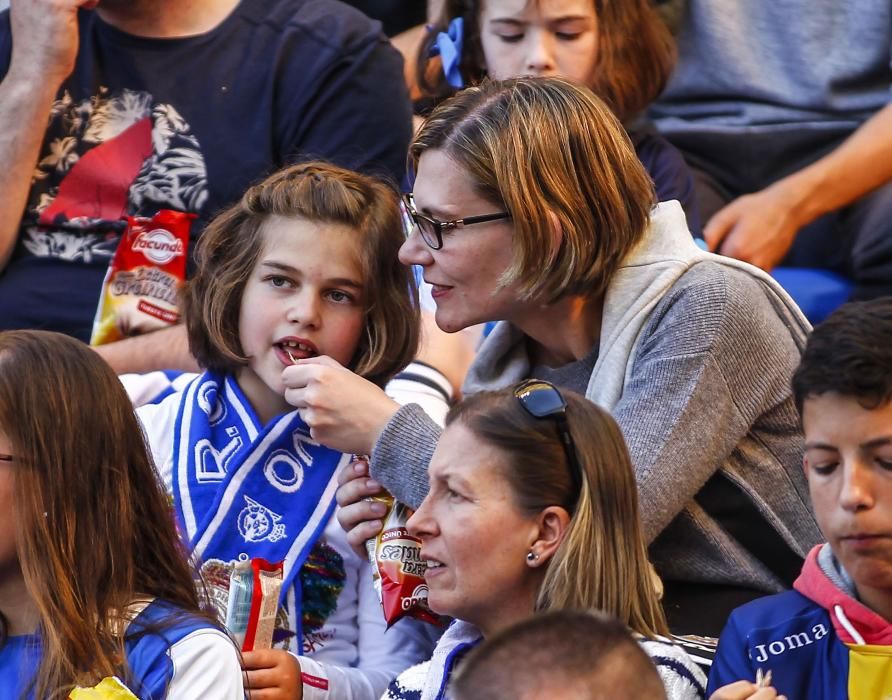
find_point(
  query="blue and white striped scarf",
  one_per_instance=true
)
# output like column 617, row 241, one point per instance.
column 243, row 490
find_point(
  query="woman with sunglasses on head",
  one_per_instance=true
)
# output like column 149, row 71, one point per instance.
column 532, row 507
column 603, row 292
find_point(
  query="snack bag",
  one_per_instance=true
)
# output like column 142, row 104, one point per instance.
column 254, row 588
column 397, row 567
column 143, row 282
column 110, row 688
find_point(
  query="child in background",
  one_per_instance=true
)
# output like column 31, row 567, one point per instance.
column 560, row 655
column 93, row 579
column 618, row 48
column 831, row 637
column 303, row 269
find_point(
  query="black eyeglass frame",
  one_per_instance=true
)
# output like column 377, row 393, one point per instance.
column 440, row 226
column 542, row 399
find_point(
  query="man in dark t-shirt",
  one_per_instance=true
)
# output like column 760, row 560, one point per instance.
column 141, row 105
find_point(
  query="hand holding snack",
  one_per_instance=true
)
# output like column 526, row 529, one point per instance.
column 359, row 516
column 142, row 286
column 272, row 674
column 254, row 589
column 397, row 567
column 746, row 690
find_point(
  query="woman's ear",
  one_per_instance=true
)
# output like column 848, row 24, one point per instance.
column 554, row 523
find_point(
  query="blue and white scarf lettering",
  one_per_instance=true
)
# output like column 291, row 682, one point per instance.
column 243, row 490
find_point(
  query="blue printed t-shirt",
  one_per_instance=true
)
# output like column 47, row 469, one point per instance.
column 188, row 124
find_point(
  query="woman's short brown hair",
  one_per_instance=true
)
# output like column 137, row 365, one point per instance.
column 549, row 152
column 231, row 245
column 636, row 54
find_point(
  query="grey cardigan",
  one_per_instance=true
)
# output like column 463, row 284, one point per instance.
column 695, row 362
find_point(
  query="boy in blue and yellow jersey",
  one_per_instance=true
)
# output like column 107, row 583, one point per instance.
column 831, row 637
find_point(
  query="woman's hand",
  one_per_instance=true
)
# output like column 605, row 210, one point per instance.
column 272, row 674
column 361, row 519
column 343, row 411
column 744, row 690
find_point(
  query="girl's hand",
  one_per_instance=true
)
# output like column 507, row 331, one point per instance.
column 744, row 690
column 361, row 519
column 343, row 411
column 272, row 674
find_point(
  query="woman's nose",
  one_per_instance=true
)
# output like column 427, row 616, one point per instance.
column 421, row 524
column 414, row 251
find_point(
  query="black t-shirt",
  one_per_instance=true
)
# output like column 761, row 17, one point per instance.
column 396, row 15
column 189, row 124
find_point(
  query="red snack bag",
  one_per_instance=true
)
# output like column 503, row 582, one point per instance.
column 397, row 567
column 142, row 286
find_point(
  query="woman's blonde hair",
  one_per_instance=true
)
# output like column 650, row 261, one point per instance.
column 602, row 563
column 554, row 156
column 636, row 54
column 95, row 530
column 231, row 245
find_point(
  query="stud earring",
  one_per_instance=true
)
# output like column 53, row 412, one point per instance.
column 532, row 556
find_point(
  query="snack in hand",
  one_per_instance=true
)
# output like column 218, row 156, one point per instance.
column 254, row 589
column 397, row 567
column 142, row 286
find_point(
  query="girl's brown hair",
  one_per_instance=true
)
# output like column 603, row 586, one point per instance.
column 551, row 153
column 95, row 531
column 636, row 54
column 602, row 561
column 231, row 245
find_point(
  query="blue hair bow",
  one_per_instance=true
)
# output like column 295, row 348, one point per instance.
column 448, row 46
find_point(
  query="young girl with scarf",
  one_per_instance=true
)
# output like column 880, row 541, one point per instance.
column 303, row 269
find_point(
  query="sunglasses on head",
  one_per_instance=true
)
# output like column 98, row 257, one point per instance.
column 542, row 399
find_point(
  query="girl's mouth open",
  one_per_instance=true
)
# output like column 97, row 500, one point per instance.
column 295, row 350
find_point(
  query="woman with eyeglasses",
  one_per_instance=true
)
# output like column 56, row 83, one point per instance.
column 531, row 507
column 602, row 291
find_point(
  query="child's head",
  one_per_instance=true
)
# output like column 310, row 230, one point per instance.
column 843, row 390
column 314, row 227
column 561, row 655
column 619, row 48
column 91, row 525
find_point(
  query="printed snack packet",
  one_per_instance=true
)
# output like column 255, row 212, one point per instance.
column 397, row 567
column 110, row 688
column 141, row 290
column 254, row 588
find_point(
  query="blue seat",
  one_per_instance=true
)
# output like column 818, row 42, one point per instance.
column 818, row 292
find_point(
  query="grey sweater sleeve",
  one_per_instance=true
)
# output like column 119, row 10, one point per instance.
column 402, row 453
column 715, row 358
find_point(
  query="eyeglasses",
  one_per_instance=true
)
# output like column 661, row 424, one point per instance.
column 431, row 230
column 542, row 399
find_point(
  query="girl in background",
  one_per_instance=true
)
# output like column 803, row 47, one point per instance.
column 93, row 579
column 620, row 49
column 302, row 271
